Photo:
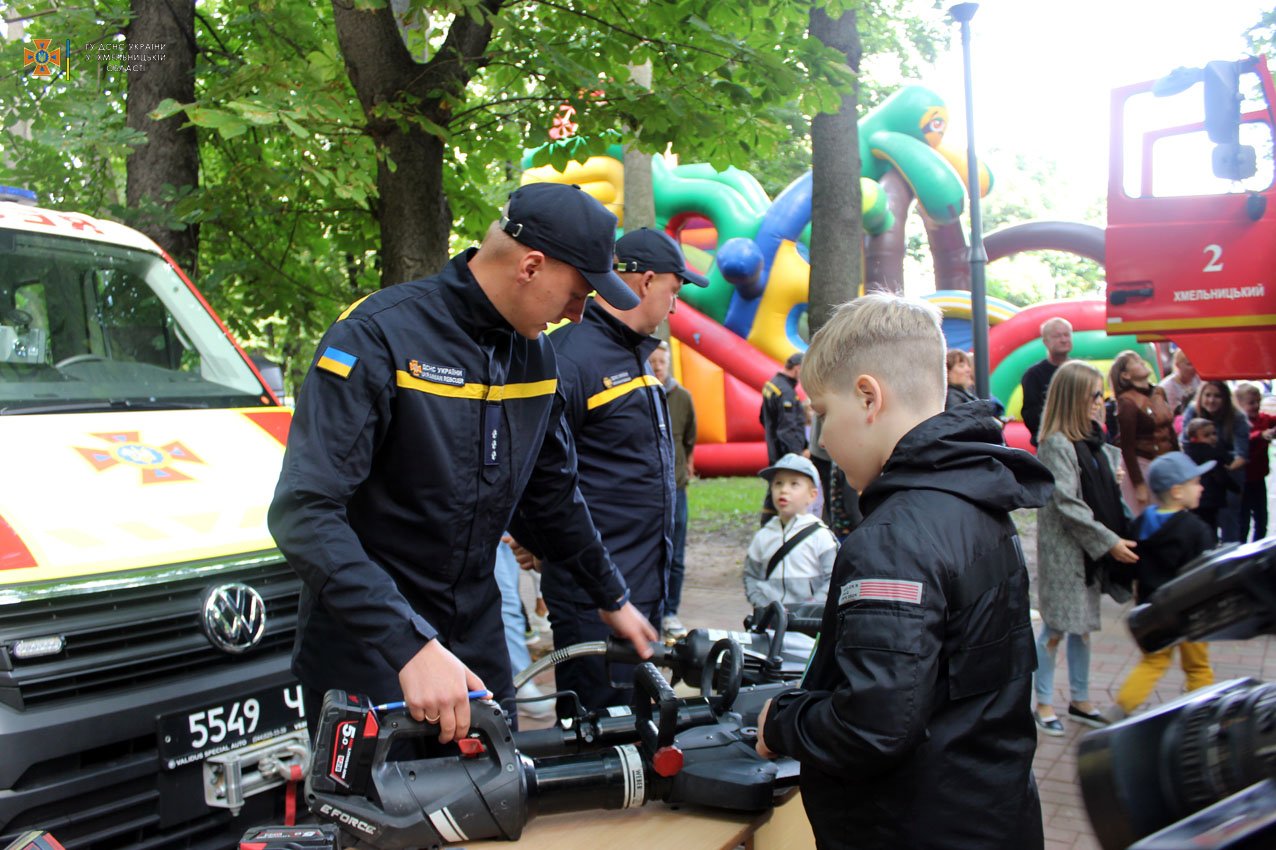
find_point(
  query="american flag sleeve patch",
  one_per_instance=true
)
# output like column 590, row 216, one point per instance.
column 881, row 590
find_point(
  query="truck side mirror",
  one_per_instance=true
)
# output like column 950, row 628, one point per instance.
column 271, row 372
column 1234, row 162
column 1222, row 103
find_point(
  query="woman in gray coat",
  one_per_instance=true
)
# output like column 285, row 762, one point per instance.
column 1067, row 531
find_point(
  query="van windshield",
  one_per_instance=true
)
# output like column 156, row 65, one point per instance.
column 86, row 325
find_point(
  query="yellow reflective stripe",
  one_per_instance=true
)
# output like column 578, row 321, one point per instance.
column 350, row 309
column 533, row 389
column 620, row 389
column 1202, row 323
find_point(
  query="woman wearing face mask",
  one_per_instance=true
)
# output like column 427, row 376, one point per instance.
column 1214, row 402
column 1145, row 425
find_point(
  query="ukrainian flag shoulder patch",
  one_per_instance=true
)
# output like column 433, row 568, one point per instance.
column 337, row 362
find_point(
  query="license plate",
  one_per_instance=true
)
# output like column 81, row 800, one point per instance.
column 192, row 736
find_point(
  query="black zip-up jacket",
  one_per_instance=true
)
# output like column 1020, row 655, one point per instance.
column 618, row 416
column 914, row 727
column 783, row 417
column 402, row 473
column 1164, row 553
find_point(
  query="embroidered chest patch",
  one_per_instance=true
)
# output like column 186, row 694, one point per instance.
column 616, row 379
column 881, row 590
column 437, row 374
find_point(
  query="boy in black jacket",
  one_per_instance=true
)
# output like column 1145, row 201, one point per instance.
column 1170, row 536
column 913, row 724
column 1202, row 447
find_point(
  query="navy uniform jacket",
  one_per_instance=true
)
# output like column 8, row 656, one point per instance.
column 782, row 417
column 618, row 416
column 914, row 727
column 424, row 423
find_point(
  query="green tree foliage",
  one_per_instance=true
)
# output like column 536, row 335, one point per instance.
column 1029, row 189
column 66, row 139
column 1261, row 37
column 287, row 201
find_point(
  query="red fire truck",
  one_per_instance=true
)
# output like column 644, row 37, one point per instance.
column 1191, row 235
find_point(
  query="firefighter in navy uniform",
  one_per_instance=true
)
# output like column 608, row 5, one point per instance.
column 429, row 423
column 781, row 414
column 783, row 420
column 619, row 419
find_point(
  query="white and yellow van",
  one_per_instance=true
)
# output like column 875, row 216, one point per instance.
column 146, row 617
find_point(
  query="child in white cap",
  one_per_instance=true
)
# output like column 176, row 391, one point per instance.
column 790, row 558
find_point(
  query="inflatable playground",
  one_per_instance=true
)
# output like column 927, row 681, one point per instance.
column 729, row 339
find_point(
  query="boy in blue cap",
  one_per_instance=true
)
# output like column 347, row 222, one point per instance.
column 1170, row 535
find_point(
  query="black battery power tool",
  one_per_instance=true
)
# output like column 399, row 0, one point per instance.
column 680, row 751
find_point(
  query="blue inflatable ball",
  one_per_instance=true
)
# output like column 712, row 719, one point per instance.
column 740, row 262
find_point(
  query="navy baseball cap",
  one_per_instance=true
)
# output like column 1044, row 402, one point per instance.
column 793, row 463
column 571, row 226
column 654, row 251
column 1174, row 468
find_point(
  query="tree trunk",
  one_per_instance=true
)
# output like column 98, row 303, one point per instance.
column 412, row 207
column 837, row 243
column 950, row 255
column 161, row 59
column 640, row 200
column 884, row 269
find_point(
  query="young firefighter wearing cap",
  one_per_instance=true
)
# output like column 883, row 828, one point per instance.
column 427, row 426
column 1170, row 536
column 790, row 559
column 619, row 421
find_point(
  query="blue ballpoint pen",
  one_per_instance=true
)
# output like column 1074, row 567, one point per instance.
column 395, row 706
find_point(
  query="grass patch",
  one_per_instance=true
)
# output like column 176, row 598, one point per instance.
column 715, row 504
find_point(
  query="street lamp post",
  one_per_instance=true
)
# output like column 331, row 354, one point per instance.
column 962, row 13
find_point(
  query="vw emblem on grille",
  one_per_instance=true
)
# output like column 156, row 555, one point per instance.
column 234, row 617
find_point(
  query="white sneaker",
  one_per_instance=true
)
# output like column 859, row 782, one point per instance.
column 540, row 623
column 672, row 626
column 541, row 710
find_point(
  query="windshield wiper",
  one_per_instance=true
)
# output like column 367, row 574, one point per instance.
column 103, row 406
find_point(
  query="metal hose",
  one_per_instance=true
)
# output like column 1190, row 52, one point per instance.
column 576, row 650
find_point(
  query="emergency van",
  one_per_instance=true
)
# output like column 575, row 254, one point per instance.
column 146, row 616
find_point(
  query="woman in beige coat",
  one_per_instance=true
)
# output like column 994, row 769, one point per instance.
column 1068, row 531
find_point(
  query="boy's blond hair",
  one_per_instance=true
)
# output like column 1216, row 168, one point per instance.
column 1248, row 389
column 899, row 341
column 1070, row 400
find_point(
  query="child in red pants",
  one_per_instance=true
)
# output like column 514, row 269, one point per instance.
column 1262, row 428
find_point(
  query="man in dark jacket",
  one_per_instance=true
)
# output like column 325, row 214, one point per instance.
column 428, row 424
column 617, row 415
column 682, row 419
column 1056, row 335
column 913, row 725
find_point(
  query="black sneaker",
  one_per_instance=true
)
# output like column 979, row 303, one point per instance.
column 1050, row 726
column 1092, row 718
